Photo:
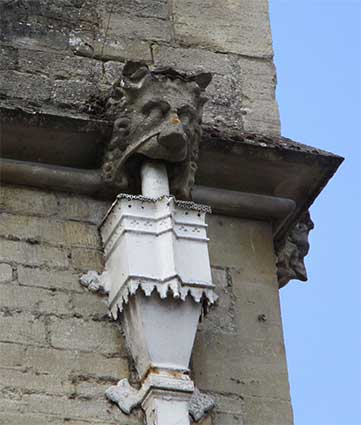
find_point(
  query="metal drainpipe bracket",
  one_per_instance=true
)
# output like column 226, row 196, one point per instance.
column 127, row 398
column 200, row 404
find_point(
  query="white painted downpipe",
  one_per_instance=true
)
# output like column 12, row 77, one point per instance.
column 154, row 179
column 167, row 408
column 164, row 407
column 158, row 276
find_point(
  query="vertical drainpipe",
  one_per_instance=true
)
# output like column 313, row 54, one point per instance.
column 166, row 406
column 158, row 277
column 154, row 179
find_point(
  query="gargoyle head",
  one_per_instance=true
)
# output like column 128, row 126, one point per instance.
column 291, row 264
column 157, row 114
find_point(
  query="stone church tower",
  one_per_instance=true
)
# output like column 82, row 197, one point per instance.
column 150, row 212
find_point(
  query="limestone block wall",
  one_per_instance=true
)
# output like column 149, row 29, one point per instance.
column 239, row 354
column 62, row 55
column 59, row 351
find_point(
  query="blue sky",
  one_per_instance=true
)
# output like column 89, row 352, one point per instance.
column 317, row 47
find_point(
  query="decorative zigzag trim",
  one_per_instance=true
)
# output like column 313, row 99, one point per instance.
column 187, row 205
column 100, row 283
column 164, row 289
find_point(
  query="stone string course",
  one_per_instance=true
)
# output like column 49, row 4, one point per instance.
column 59, row 351
column 64, row 54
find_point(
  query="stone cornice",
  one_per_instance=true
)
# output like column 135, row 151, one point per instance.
column 273, row 167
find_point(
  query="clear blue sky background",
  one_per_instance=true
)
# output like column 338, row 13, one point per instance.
column 317, row 47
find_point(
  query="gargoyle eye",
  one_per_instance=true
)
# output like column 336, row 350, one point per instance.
column 156, row 105
column 186, row 111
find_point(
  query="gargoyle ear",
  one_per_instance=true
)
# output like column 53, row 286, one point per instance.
column 135, row 71
column 203, row 79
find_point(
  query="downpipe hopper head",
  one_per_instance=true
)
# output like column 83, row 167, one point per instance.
column 158, row 279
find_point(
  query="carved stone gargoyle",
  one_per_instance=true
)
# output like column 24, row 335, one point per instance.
column 290, row 263
column 157, row 114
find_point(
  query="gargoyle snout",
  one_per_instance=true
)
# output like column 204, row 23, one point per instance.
column 174, row 119
column 301, row 273
column 174, row 137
